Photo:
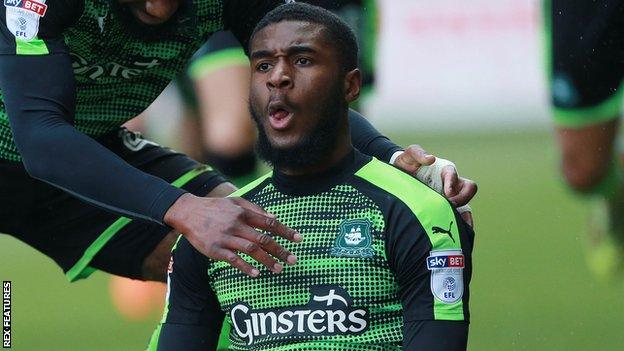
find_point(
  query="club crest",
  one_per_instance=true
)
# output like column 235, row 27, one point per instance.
column 354, row 239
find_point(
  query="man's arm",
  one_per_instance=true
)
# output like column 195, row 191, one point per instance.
column 38, row 92
column 429, row 247
column 38, row 87
column 192, row 319
column 368, row 140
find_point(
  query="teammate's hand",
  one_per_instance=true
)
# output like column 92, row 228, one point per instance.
column 439, row 174
column 221, row 227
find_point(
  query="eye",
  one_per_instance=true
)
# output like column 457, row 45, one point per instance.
column 304, row 61
column 263, row 66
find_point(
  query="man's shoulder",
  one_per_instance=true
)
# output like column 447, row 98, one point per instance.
column 251, row 187
column 396, row 182
column 402, row 195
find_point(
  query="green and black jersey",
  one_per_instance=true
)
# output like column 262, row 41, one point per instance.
column 385, row 264
column 120, row 66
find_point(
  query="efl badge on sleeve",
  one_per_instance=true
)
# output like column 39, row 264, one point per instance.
column 22, row 17
column 447, row 274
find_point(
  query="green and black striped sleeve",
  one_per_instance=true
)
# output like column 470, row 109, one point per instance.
column 429, row 248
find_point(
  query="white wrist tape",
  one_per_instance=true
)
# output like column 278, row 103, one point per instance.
column 394, row 157
column 432, row 175
column 465, row 208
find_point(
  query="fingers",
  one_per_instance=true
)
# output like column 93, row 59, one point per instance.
column 450, row 181
column 419, row 155
column 467, row 217
column 251, row 206
column 467, row 190
column 269, row 245
column 256, row 252
column 412, row 158
column 271, row 225
column 236, row 261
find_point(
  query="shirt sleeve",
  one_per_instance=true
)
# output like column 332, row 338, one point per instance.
column 38, row 92
column 242, row 16
column 32, row 27
column 192, row 318
column 432, row 261
column 368, row 140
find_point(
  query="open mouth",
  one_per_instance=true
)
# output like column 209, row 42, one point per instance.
column 280, row 116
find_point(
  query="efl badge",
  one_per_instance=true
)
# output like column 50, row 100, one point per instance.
column 22, row 17
column 447, row 274
column 354, row 239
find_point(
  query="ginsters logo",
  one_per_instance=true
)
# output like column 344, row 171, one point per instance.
column 329, row 312
column 354, row 239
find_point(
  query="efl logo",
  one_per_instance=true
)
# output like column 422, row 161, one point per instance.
column 445, row 261
column 6, row 314
column 29, row 5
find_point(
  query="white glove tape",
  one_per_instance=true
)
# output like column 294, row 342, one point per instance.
column 465, row 208
column 432, row 175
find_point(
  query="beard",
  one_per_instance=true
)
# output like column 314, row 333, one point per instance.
column 314, row 146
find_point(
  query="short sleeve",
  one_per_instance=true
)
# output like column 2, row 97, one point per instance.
column 35, row 27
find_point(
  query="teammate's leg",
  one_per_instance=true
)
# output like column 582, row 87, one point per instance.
column 588, row 155
column 221, row 80
column 585, row 41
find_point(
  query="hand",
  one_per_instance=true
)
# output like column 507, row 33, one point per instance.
column 441, row 175
column 221, row 227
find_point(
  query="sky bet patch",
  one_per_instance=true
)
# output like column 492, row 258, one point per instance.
column 447, row 275
column 22, row 17
column 29, row 5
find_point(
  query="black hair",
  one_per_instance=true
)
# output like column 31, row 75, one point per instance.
column 337, row 32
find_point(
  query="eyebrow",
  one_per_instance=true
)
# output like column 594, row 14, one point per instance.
column 292, row 50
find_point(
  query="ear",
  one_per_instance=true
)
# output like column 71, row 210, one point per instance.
column 352, row 84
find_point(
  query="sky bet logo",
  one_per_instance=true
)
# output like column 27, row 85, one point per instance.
column 445, row 261
column 28, row 5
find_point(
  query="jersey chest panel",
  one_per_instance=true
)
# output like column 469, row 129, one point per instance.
column 341, row 290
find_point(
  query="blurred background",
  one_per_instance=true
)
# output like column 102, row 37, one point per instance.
column 467, row 81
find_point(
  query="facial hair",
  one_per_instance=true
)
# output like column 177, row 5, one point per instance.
column 316, row 145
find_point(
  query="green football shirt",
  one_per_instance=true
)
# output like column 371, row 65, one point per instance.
column 382, row 253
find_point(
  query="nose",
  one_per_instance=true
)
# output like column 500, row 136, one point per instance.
column 280, row 77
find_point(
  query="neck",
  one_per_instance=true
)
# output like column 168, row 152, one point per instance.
column 342, row 149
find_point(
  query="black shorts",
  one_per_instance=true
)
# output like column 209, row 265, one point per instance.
column 586, row 42
column 82, row 238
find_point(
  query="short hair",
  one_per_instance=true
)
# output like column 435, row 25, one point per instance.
column 337, row 32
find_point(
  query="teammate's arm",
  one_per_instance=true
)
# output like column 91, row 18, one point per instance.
column 192, row 319
column 432, row 321
column 38, row 87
